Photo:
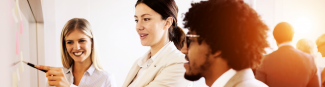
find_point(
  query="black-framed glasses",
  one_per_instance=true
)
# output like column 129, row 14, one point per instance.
column 188, row 41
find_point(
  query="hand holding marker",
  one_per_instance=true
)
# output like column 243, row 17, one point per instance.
column 32, row 65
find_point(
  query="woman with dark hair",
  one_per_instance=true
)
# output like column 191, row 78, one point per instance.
column 162, row 65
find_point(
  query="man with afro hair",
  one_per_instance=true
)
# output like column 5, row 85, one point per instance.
column 226, row 39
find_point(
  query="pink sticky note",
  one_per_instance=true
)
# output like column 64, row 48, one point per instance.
column 21, row 25
column 17, row 43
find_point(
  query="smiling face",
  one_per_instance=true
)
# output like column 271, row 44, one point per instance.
column 150, row 25
column 78, row 45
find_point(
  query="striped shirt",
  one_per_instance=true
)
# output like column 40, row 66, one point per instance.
column 92, row 78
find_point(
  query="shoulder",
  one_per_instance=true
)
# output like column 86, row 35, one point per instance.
column 245, row 78
column 110, row 78
column 292, row 53
column 274, row 53
column 106, row 74
column 175, row 57
column 286, row 52
column 173, row 53
column 251, row 83
column 172, row 61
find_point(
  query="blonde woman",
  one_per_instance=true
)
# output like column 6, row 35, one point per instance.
column 307, row 46
column 79, row 58
column 321, row 49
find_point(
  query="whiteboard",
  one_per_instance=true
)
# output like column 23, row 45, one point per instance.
column 14, row 45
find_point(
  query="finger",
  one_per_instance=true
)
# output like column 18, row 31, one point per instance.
column 53, row 83
column 56, row 68
column 54, row 73
column 53, row 68
column 54, row 78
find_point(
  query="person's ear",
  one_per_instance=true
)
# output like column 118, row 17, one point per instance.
column 216, row 54
column 169, row 22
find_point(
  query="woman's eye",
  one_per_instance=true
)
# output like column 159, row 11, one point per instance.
column 146, row 19
column 82, row 41
column 69, row 42
column 136, row 21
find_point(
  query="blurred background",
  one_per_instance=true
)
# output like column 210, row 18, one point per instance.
column 113, row 23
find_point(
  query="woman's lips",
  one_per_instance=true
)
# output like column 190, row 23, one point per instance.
column 143, row 36
column 78, row 54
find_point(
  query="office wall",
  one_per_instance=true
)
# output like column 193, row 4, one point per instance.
column 51, row 38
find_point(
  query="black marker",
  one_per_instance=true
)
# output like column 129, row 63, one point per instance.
column 32, row 65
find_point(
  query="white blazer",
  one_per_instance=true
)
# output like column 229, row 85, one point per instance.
column 167, row 70
column 244, row 78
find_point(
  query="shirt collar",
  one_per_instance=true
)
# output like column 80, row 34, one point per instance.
column 155, row 56
column 284, row 44
column 69, row 70
column 90, row 70
column 143, row 62
column 224, row 78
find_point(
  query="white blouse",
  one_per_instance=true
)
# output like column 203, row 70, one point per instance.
column 92, row 78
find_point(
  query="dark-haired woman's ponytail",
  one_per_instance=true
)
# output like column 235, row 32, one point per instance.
column 177, row 35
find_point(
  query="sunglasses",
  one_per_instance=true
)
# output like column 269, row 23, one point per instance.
column 188, row 41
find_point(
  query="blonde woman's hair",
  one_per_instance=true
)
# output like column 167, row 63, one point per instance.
column 306, row 46
column 320, row 40
column 84, row 26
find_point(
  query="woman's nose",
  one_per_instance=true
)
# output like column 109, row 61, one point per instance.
column 76, row 46
column 139, row 26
